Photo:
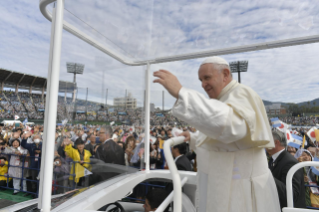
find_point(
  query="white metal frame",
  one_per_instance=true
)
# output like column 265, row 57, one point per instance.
column 177, row 184
column 291, row 172
column 53, row 83
column 51, row 108
column 147, row 117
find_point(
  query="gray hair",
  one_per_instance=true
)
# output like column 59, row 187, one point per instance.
column 280, row 137
column 108, row 129
column 221, row 67
column 34, row 135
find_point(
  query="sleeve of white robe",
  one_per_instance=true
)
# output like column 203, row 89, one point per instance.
column 213, row 118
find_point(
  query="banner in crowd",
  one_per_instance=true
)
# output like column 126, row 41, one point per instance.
column 311, row 134
column 25, row 121
column 132, row 129
column 64, row 122
column 293, row 140
column 278, row 124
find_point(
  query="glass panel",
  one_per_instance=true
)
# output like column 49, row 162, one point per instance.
column 151, row 29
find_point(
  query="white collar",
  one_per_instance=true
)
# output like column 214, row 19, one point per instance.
column 230, row 85
column 177, row 158
column 275, row 156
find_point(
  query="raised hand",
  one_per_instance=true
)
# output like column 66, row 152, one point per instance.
column 187, row 135
column 169, row 81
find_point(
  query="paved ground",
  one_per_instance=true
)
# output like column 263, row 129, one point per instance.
column 5, row 203
column 6, row 198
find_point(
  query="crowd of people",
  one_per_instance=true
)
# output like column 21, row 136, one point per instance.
column 75, row 149
column 301, row 121
column 78, row 146
column 32, row 106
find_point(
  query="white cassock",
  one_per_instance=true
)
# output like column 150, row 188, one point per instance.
column 233, row 172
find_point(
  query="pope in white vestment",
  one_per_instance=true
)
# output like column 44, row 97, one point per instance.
column 233, row 174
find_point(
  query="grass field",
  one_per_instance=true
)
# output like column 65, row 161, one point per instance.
column 7, row 195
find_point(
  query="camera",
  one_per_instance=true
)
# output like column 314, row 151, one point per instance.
column 56, row 163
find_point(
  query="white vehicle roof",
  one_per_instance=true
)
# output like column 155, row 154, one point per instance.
column 162, row 31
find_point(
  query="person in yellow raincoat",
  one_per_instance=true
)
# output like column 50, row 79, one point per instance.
column 80, row 156
column 3, row 173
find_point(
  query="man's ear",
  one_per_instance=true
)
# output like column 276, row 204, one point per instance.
column 226, row 73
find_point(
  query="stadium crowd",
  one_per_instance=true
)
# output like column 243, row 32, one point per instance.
column 79, row 147
column 82, row 150
column 75, row 149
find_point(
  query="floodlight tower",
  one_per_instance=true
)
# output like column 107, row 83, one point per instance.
column 74, row 68
column 238, row 66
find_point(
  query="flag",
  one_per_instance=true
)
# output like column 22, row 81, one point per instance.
column 152, row 139
column 280, row 125
column 311, row 134
column 293, row 140
column 64, row 122
column 315, row 169
column 16, row 117
column 87, row 172
column 132, row 129
column 317, row 134
column 295, row 132
column 303, row 141
column 275, row 122
column 25, row 121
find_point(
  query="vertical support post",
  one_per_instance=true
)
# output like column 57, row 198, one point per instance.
column 107, row 92
column 163, row 102
column 44, row 202
column 147, row 118
column 125, row 98
column 74, row 81
column 45, row 125
column 75, row 103
column 86, row 104
column 238, row 71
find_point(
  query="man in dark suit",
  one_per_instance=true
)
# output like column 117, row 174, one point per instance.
column 109, row 151
column 182, row 162
column 91, row 146
column 279, row 164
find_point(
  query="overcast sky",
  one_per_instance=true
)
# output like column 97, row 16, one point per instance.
column 149, row 29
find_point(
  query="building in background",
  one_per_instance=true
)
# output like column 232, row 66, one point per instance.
column 128, row 102
column 152, row 107
column 275, row 109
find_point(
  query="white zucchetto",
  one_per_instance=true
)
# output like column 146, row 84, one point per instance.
column 215, row 60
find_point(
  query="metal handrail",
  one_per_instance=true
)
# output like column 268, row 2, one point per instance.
column 177, row 185
column 290, row 174
column 169, row 199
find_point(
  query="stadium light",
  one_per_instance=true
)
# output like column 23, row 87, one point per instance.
column 238, row 66
column 74, row 68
